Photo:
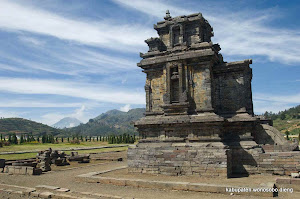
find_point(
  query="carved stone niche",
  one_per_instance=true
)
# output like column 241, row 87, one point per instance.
column 175, row 98
column 177, row 35
column 155, row 44
column 148, row 98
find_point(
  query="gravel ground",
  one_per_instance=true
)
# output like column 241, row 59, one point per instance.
column 5, row 195
column 66, row 179
column 255, row 181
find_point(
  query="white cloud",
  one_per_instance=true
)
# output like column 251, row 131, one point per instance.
column 292, row 99
column 261, row 106
column 79, row 113
column 96, row 92
column 125, row 108
column 274, row 103
column 51, row 118
column 243, row 33
column 7, row 114
column 153, row 7
column 6, row 67
column 35, row 103
column 69, row 60
column 31, row 40
column 108, row 34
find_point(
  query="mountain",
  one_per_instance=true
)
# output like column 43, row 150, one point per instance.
column 287, row 120
column 20, row 125
column 111, row 122
column 67, row 122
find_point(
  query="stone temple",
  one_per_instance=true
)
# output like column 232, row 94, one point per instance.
column 199, row 116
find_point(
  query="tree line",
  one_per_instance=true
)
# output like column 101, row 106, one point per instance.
column 49, row 138
column 292, row 113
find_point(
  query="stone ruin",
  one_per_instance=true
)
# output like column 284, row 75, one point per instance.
column 35, row 166
column 199, row 116
column 48, row 157
column 44, row 161
column 85, row 158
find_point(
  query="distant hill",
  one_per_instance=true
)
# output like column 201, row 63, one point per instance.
column 111, row 122
column 287, row 120
column 67, row 122
column 20, row 125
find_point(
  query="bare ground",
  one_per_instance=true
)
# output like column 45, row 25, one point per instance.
column 65, row 177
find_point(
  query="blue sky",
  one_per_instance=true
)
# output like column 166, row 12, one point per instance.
column 78, row 58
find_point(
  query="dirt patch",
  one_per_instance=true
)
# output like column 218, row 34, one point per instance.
column 251, row 181
column 74, row 165
column 66, row 179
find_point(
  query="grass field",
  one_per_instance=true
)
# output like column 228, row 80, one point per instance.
column 32, row 155
column 293, row 126
column 40, row 146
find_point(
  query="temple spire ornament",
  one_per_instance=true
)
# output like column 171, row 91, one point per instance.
column 168, row 16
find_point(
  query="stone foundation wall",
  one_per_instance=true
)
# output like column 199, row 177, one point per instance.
column 280, row 163
column 179, row 159
column 21, row 170
column 242, row 160
column 210, row 159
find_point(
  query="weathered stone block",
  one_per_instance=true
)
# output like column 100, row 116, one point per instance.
column 2, row 163
column 283, row 181
column 295, row 181
column 46, row 194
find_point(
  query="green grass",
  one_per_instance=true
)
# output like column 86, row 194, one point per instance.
column 100, row 150
column 40, row 146
column 32, row 155
column 18, row 156
column 293, row 125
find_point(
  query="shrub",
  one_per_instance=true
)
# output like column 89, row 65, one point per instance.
column 75, row 141
column 33, row 142
column 5, row 143
column 287, row 133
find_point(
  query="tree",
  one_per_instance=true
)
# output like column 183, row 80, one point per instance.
column 44, row 138
column 9, row 138
column 14, row 139
column 282, row 116
column 1, row 138
column 21, row 139
column 31, row 138
column 62, row 139
column 287, row 133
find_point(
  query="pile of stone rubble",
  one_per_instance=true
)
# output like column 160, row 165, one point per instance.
column 42, row 162
column 80, row 158
column 48, row 157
